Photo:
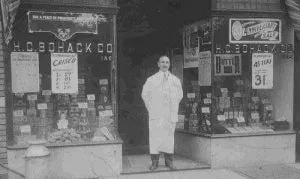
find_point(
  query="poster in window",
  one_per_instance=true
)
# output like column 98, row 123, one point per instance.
column 64, row 73
column 262, row 70
column 25, row 72
column 204, row 69
column 227, row 64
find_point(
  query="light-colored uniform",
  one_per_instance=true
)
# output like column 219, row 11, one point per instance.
column 162, row 94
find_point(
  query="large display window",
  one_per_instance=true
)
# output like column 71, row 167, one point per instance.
column 238, row 75
column 62, row 78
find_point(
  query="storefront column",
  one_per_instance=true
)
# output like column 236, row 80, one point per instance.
column 3, row 153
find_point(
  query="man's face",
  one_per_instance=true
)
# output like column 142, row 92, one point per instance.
column 164, row 64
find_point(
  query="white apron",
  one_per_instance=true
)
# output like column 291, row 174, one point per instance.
column 162, row 100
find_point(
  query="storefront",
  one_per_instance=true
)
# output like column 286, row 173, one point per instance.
column 61, row 74
column 239, row 86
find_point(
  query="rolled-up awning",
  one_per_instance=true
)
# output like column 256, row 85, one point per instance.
column 293, row 7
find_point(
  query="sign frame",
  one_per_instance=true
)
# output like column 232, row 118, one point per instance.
column 258, row 21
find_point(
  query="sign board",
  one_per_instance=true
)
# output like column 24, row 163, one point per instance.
column 227, row 64
column 254, row 30
column 63, row 24
column 247, row 5
column 64, row 72
column 190, row 45
column 204, row 69
column 262, row 70
column 25, row 72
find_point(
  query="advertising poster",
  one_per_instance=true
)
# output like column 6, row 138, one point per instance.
column 204, row 69
column 227, row 64
column 262, row 70
column 191, row 45
column 64, row 72
column 64, row 25
column 256, row 30
column 25, row 72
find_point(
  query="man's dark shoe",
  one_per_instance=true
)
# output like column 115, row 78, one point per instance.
column 155, row 160
column 169, row 161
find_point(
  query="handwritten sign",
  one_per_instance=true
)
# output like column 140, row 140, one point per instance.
column 191, row 95
column 106, row 113
column 18, row 113
column 25, row 72
column 91, row 97
column 262, row 70
column 64, row 72
column 42, row 106
column 25, row 129
column 205, row 110
column 82, row 105
column 32, row 97
column 103, row 81
column 204, row 69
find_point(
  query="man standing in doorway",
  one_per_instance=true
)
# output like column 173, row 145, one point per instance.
column 162, row 94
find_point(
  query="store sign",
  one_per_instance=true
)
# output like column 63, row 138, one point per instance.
column 227, row 64
column 262, row 71
column 25, row 72
column 64, row 72
column 254, row 48
column 255, row 30
column 62, row 24
column 246, row 5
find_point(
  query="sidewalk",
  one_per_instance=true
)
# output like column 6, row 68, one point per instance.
column 288, row 171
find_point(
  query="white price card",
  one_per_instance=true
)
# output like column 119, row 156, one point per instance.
column 91, row 97
column 42, row 106
column 269, row 107
column 265, row 101
column 106, row 113
column 237, row 95
column 254, row 115
column 224, row 90
column 231, row 115
column 18, row 113
column 262, row 70
column 255, row 99
column 82, row 105
column 205, row 110
column 208, row 122
column 103, row 81
column 241, row 119
column 207, row 101
column 25, row 129
column 46, row 92
column 221, row 118
column 236, row 114
column 191, row 95
column 32, row 97
column 241, row 114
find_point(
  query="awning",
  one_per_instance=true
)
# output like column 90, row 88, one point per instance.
column 9, row 10
column 293, row 7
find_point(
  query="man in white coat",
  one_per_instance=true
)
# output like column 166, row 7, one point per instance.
column 162, row 94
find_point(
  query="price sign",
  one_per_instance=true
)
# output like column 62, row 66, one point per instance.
column 262, row 70
column 18, row 113
column 224, row 90
column 208, row 122
column 241, row 119
column 82, row 105
column 237, row 95
column 91, row 97
column 42, row 106
column 207, row 101
column 103, row 81
column 25, row 129
column 191, row 95
column 254, row 115
column 221, row 118
column 32, row 97
column 255, row 99
column 106, row 113
column 46, row 92
column 205, row 110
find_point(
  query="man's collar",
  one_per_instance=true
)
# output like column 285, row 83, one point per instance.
column 161, row 72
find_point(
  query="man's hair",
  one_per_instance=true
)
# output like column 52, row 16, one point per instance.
column 164, row 55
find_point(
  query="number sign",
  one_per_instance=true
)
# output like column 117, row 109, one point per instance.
column 262, row 70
